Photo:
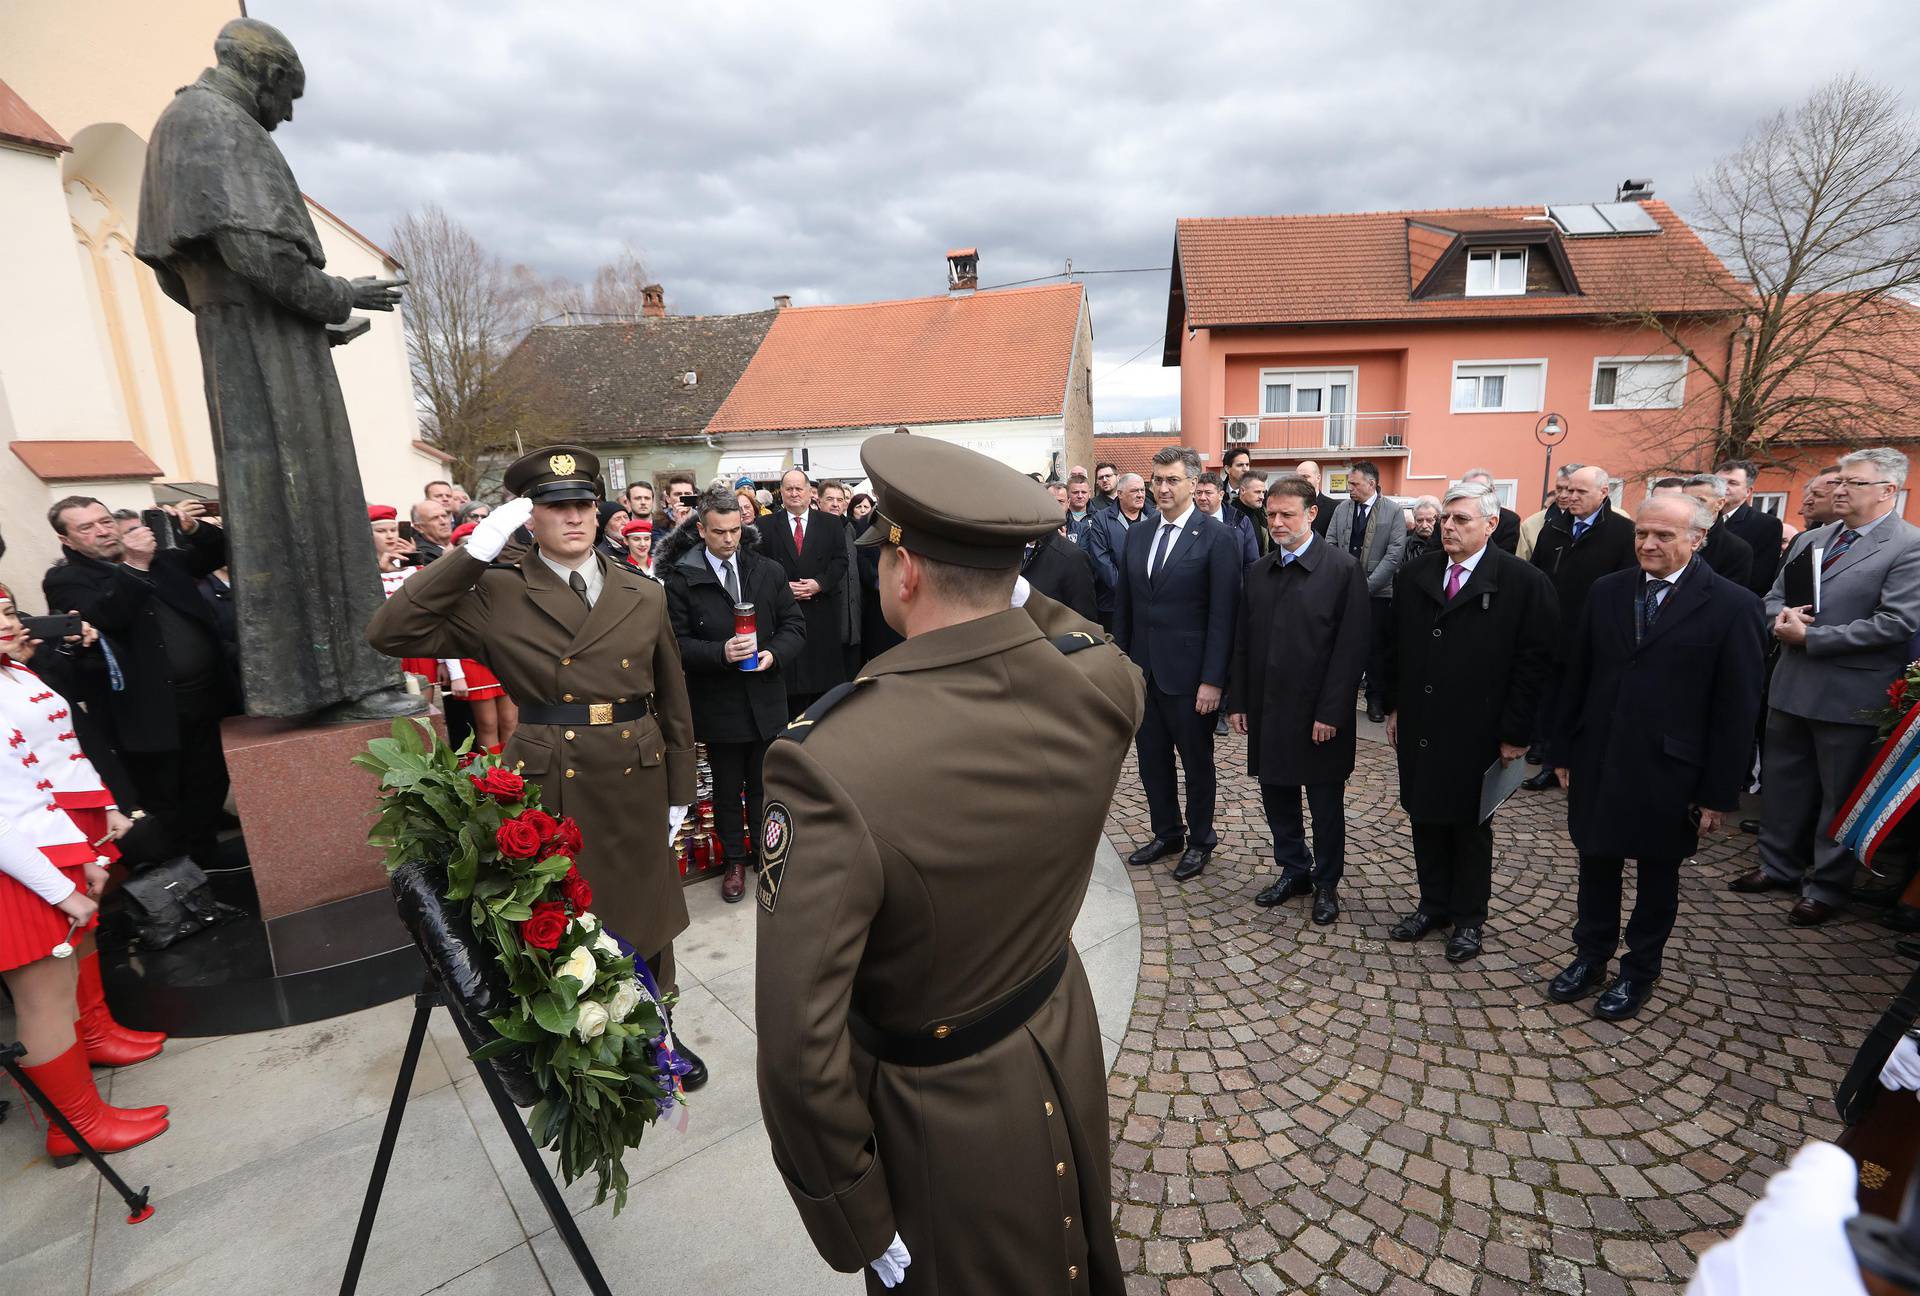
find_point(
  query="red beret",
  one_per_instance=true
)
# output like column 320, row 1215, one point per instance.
column 382, row 512
column 461, row 532
column 636, row 526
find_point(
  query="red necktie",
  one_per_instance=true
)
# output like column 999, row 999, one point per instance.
column 799, row 532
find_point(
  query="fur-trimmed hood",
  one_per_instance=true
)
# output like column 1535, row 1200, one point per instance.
column 685, row 539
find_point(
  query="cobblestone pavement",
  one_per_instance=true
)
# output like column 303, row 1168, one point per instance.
column 1299, row 1108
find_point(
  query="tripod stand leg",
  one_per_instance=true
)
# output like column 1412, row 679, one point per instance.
column 537, row 1173
column 423, row 1005
column 138, row 1211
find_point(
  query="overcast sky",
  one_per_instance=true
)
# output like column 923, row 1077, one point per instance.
column 835, row 151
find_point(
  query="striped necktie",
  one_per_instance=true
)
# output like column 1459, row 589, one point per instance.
column 1837, row 548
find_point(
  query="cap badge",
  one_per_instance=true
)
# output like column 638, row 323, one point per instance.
column 562, row 465
column 893, row 534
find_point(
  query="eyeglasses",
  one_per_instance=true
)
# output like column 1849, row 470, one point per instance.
column 1169, row 481
column 1856, row 483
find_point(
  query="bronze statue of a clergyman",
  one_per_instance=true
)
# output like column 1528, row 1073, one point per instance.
column 227, row 233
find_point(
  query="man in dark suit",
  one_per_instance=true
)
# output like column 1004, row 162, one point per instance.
column 1373, row 529
column 1058, row 568
column 1761, row 531
column 1209, row 496
column 1107, row 536
column 1507, row 535
column 710, row 564
column 1173, row 615
column 1297, row 652
column 1652, row 742
column 1725, row 552
column 1473, row 636
column 1323, row 503
column 1578, row 546
column 179, row 679
column 811, row 549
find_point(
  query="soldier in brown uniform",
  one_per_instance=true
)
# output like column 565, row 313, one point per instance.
column 930, row 1063
column 584, row 647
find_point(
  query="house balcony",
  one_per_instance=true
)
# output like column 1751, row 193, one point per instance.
column 1377, row 433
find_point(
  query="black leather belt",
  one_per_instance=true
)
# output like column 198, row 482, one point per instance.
column 951, row 1043
column 585, row 713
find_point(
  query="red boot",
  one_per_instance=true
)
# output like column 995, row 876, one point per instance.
column 108, row 1042
column 68, row 1085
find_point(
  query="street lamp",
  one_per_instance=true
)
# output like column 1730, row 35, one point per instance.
column 1550, row 431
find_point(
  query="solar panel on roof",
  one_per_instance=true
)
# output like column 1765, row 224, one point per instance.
column 1579, row 218
column 1628, row 218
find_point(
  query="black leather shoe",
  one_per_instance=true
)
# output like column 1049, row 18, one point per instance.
column 1158, row 848
column 1750, row 826
column 1756, row 881
column 1193, row 862
column 1464, row 945
column 1901, row 918
column 1325, row 907
column 1414, row 926
column 1540, row 782
column 1581, row 978
column 1623, row 999
column 1376, row 712
column 1282, row 889
column 698, row 1075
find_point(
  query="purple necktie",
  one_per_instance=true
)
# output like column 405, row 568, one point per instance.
column 1455, row 574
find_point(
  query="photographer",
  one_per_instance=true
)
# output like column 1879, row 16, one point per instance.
column 176, row 679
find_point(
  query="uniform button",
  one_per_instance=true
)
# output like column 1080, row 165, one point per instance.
column 1060, row 1170
column 1069, row 1223
column 566, row 697
column 623, row 663
column 1423, row 742
column 627, row 770
column 942, row 1031
column 626, row 733
column 1073, row 1272
column 619, row 699
column 566, row 661
column 1436, row 632
column 569, row 735
column 570, row 772
column 1429, row 688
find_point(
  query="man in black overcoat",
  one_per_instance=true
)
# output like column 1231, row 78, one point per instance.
column 1655, row 728
column 1474, row 630
column 1761, row 531
column 1061, row 570
column 809, row 546
column 1298, row 652
column 709, row 564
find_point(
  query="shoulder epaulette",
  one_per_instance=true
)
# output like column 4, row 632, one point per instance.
column 797, row 730
column 500, row 566
column 1075, row 641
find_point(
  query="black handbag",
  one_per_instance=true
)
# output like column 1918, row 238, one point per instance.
column 169, row 902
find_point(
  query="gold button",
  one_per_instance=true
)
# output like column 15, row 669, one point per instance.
column 941, row 1032
column 619, row 699
column 566, row 661
column 569, row 735
column 569, row 773
column 623, row 663
column 626, row 733
column 1049, row 1109
column 1073, row 1271
column 1069, row 1221
column 566, row 697
column 1060, row 1170
column 627, row 770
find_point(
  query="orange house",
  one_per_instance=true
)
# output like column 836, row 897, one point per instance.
column 1430, row 342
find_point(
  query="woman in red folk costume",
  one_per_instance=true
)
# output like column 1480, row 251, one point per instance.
column 57, row 825
column 391, row 551
column 494, row 715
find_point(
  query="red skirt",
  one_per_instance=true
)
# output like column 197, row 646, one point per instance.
column 427, row 666
column 481, row 682
column 29, row 926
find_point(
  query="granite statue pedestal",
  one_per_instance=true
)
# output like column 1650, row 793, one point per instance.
column 322, row 936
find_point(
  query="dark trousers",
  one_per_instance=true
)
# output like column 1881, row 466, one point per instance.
column 1455, row 865
column 1379, row 644
column 186, row 789
column 736, row 769
column 1328, row 803
column 1171, row 725
column 1656, row 904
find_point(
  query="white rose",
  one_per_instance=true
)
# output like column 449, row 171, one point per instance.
column 585, row 922
column 625, row 998
column 607, row 945
column 592, row 1021
column 580, row 966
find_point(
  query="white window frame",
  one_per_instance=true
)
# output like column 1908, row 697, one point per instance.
column 1504, row 490
column 1776, row 499
column 1593, row 381
column 1616, row 491
column 616, row 478
column 1494, row 254
column 1454, row 377
column 1330, row 372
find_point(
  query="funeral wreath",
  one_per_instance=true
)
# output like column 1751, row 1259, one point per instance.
column 586, row 1020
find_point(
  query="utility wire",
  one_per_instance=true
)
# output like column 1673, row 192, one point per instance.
column 1159, row 341
column 1069, row 274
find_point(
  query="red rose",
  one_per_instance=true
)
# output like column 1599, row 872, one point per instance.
column 565, row 840
column 575, row 889
column 1897, row 692
column 467, row 760
column 500, row 784
column 543, row 823
column 546, row 926
column 518, row 839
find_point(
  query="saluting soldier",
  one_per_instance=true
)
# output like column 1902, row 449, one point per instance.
column 583, row 645
column 930, row 1064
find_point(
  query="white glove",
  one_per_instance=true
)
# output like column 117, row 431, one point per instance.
column 1902, row 1070
column 493, row 531
column 676, row 815
column 1793, row 1241
column 892, row 1266
column 26, row 864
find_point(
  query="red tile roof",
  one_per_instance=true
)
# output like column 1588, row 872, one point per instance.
column 21, row 125
column 986, row 355
column 85, row 460
column 1361, row 267
column 1130, row 452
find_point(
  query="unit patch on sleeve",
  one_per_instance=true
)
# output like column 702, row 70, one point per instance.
column 776, row 838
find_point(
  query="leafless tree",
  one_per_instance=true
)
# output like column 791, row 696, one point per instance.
column 1817, row 216
column 617, row 293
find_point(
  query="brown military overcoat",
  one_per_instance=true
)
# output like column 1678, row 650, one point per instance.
column 616, row 780
column 928, row 844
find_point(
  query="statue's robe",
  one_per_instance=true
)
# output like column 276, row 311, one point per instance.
column 226, row 231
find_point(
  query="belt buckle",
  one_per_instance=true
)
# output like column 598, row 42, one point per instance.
column 599, row 713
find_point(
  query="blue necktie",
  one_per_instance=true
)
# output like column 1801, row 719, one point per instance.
column 1160, row 549
column 1286, row 559
column 1580, row 528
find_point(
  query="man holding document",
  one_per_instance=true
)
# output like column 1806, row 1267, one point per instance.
column 1474, row 630
column 1844, row 607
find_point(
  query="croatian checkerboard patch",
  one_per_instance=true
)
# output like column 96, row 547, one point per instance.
column 776, row 839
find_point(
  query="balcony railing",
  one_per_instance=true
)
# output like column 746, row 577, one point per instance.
column 1376, row 432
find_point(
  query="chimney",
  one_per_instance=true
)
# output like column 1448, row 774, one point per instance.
column 653, row 302
column 963, row 271
column 1634, row 191
column 781, row 301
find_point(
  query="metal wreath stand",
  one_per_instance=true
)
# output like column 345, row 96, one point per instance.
column 138, row 1209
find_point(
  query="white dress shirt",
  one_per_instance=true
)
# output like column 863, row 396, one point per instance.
column 1179, row 525
column 720, row 566
column 1468, row 563
column 589, row 570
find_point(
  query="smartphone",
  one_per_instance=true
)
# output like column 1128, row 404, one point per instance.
column 52, row 629
column 688, row 501
column 406, row 531
column 160, row 522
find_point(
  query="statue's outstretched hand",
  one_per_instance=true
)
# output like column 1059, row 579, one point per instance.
column 371, row 293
